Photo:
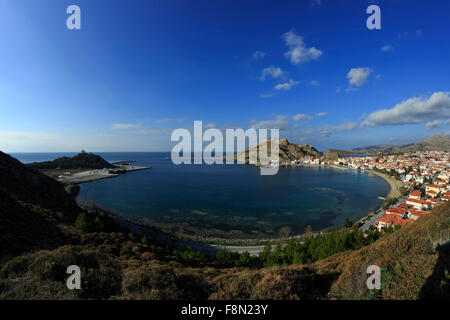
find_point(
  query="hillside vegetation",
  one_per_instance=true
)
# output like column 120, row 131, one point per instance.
column 415, row 262
column 43, row 231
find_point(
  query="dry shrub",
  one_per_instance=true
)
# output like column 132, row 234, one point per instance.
column 233, row 285
column 150, row 282
column 406, row 258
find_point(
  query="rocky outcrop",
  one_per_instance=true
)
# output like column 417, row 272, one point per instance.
column 287, row 151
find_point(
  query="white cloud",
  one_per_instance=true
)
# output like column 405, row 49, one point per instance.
column 298, row 52
column 329, row 129
column 258, row 54
column 287, row 85
column 304, row 117
column 267, row 95
column 152, row 132
column 358, row 76
column 210, row 125
column 314, row 82
column 406, row 34
column 413, row 110
column 387, row 48
column 301, row 117
column 272, row 71
column 280, row 122
column 317, row 2
column 164, row 120
column 350, row 89
column 120, row 126
column 433, row 124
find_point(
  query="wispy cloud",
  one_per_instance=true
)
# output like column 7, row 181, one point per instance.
column 164, row 120
column 153, row 132
column 408, row 34
column 314, row 83
column 280, row 122
column 301, row 117
column 210, row 125
column 304, row 117
column 286, row 86
column 272, row 71
column 258, row 54
column 122, row 126
column 329, row 129
column 387, row 48
column 298, row 52
column 267, row 95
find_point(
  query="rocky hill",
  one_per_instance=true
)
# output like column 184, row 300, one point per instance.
column 287, row 151
column 82, row 160
column 434, row 143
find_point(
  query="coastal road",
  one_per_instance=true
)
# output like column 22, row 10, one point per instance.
column 252, row 250
column 373, row 219
column 213, row 248
column 203, row 247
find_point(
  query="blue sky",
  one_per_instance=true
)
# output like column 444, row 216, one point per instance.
column 139, row 69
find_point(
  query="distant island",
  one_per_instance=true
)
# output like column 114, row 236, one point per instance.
column 83, row 160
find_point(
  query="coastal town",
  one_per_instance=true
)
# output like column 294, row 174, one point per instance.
column 423, row 176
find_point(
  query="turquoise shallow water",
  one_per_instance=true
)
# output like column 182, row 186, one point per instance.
column 233, row 197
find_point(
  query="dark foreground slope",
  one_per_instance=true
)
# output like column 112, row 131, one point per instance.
column 34, row 209
column 39, row 241
column 414, row 262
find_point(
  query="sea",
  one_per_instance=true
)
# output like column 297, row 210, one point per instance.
column 230, row 200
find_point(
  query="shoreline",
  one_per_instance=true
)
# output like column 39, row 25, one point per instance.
column 97, row 174
column 395, row 185
column 237, row 242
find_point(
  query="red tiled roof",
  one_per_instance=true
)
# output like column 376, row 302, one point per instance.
column 396, row 210
column 419, row 213
column 416, row 193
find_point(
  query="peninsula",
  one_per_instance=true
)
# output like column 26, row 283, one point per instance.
column 84, row 167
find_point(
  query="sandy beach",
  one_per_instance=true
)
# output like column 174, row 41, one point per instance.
column 395, row 184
